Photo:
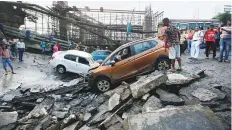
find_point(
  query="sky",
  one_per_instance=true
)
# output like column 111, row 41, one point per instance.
column 185, row 9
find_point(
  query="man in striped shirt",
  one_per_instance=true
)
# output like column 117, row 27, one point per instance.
column 225, row 42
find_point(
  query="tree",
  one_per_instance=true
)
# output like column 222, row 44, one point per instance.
column 223, row 17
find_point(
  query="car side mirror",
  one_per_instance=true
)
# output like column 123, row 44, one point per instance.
column 112, row 63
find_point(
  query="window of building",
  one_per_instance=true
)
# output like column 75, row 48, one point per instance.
column 183, row 25
column 207, row 24
column 192, row 25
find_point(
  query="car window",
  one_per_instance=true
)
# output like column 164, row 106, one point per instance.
column 70, row 57
column 107, row 52
column 83, row 61
column 140, row 47
column 119, row 53
column 99, row 53
column 153, row 43
column 143, row 46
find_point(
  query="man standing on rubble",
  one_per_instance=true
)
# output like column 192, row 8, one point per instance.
column 172, row 41
column 21, row 49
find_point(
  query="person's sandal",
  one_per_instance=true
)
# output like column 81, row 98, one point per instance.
column 179, row 69
column 172, row 70
column 13, row 73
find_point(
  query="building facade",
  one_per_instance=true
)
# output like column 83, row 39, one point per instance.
column 228, row 8
column 192, row 23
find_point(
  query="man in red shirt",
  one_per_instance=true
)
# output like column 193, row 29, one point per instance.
column 210, row 41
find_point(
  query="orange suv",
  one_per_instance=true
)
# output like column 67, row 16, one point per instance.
column 128, row 61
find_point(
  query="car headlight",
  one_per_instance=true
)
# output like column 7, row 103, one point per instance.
column 89, row 73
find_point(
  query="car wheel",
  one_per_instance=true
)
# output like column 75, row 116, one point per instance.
column 103, row 84
column 163, row 64
column 60, row 69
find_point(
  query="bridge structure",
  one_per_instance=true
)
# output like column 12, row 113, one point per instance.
column 89, row 27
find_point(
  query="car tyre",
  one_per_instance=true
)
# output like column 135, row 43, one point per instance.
column 61, row 69
column 102, row 84
column 162, row 64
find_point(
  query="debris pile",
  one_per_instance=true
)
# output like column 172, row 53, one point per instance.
column 154, row 101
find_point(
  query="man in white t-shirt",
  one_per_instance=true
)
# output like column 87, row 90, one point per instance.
column 21, row 49
column 196, row 41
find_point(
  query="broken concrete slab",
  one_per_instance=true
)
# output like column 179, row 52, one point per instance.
column 87, row 116
column 118, row 89
column 204, row 94
column 115, row 119
column 146, row 84
column 71, row 118
column 113, row 101
column 125, row 94
column 186, row 117
column 11, row 126
column 75, row 102
column 40, row 110
column 72, row 126
column 136, row 108
column 169, row 98
column 39, row 100
column 116, row 126
column 145, row 97
column 35, row 89
column 178, row 79
column 101, row 115
column 59, row 114
column 152, row 104
column 220, row 94
column 8, row 118
column 8, row 97
column 85, row 127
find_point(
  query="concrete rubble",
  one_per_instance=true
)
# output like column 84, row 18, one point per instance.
column 147, row 83
column 152, row 104
column 8, row 118
column 204, row 94
column 154, row 101
column 187, row 117
column 169, row 98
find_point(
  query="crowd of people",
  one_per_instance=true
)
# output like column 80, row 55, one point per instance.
column 213, row 37
column 54, row 47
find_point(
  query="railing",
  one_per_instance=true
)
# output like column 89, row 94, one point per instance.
column 33, row 36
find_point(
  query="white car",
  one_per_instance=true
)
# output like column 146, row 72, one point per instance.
column 72, row 61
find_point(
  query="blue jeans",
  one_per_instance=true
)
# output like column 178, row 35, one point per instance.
column 189, row 45
column 6, row 61
column 225, row 44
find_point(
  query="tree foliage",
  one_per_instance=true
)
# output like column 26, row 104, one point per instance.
column 223, row 17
